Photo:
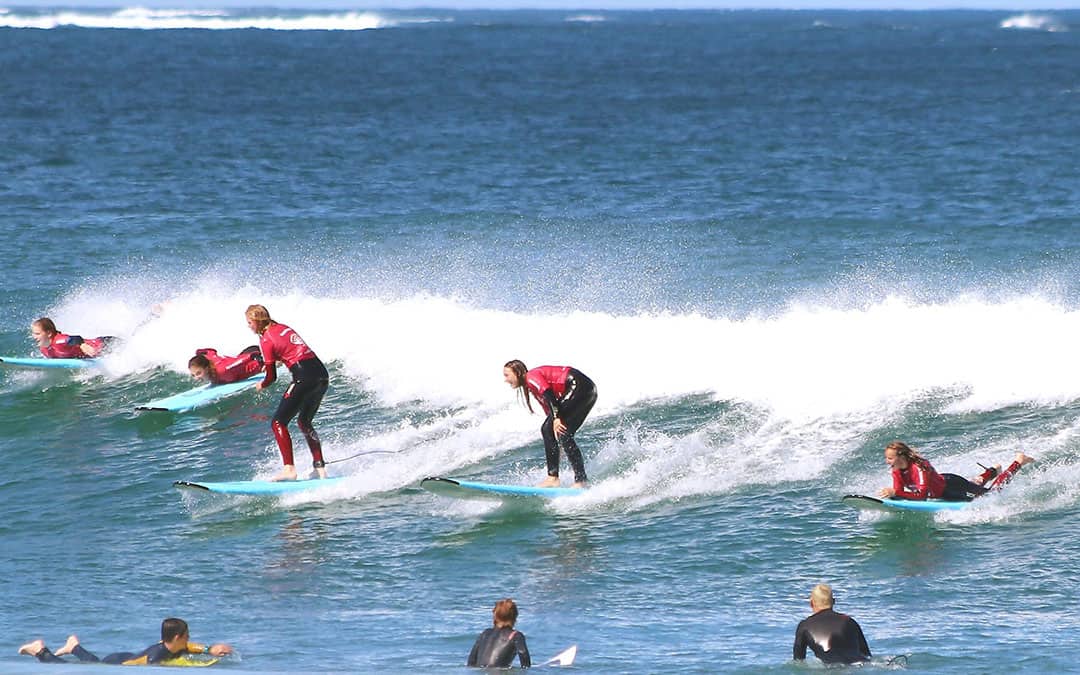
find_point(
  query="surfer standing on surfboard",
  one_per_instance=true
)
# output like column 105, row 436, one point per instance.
column 567, row 396
column 914, row 478
column 310, row 381
column 496, row 646
column 56, row 345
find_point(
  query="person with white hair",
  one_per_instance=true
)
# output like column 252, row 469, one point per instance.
column 833, row 637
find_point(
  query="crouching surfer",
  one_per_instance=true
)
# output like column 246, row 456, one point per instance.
column 56, row 345
column 914, row 478
column 174, row 644
column 301, row 400
column 213, row 368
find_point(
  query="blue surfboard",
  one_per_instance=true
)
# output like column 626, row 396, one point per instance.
column 466, row 489
column 864, row 503
column 200, row 396
column 46, row 364
column 259, row 487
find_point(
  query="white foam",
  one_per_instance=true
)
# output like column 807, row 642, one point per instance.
column 1029, row 21
column 141, row 18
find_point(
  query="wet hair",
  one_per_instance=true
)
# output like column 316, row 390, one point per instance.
column 505, row 613
column 172, row 629
column 822, row 596
column 46, row 324
column 260, row 315
column 904, row 450
column 200, row 361
column 519, row 370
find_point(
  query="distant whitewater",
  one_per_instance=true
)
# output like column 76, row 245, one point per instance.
column 1043, row 22
column 141, row 18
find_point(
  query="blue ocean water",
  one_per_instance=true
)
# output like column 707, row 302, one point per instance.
column 776, row 240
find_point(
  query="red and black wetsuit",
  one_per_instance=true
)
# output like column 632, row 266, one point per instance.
column 69, row 346
column 228, row 369
column 310, row 381
column 496, row 647
column 566, row 393
column 833, row 637
column 920, row 482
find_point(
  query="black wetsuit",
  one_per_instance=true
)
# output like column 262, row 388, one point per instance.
column 574, row 406
column 155, row 653
column 495, row 648
column 833, row 637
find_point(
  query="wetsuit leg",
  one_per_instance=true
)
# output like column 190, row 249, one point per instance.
column 551, row 446
column 960, row 489
column 308, row 408
column 575, row 406
column 46, row 656
column 1005, row 476
column 118, row 658
column 84, row 655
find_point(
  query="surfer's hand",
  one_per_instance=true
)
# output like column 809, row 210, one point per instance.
column 885, row 493
column 558, row 426
column 220, row 649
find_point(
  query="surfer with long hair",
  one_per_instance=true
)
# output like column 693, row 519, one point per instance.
column 567, row 396
column 915, row 478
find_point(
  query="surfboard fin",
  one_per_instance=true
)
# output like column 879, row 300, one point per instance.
column 563, row 658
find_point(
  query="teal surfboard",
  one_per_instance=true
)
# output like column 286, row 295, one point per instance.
column 864, row 503
column 46, row 364
column 466, row 489
column 200, row 396
column 259, row 487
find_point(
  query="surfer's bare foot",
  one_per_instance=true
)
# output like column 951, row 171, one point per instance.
column 69, row 646
column 320, row 472
column 550, row 481
column 1023, row 459
column 288, row 473
column 32, row 648
column 581, row 484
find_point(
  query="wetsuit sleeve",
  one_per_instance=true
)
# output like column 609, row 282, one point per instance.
column 473, row 654
column 75, row 340
column 798, row 652
column 522, row 651
column 196, row 648
column 552, row 402
column 862, row 639
column 269, row 363
column 918, row 476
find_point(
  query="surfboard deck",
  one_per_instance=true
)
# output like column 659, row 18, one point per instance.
column 199, row 396
column 188, row 662
column 466, row 489
column 563, row 658
column 864, row 503
column 258, row 487
column 33, row 363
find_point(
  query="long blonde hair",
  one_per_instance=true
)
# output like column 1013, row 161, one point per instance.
column 261, row 316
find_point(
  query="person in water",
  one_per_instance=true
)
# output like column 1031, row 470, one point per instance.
column 303, row 397
column 914, row 478
column 56, row 345
column 496, row 646
column 174, row 643
column 210, row 367
column 567, row 396
column 833, row 637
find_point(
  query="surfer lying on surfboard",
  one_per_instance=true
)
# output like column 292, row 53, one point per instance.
column 496, row 646
column 567, row 396
column 56, row 345
column 174, row 643
column 914, row 478
column 210, row 367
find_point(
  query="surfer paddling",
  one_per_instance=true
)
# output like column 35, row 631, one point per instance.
column 301, row 400
column 567, row 396
column 174, row 644
column 914, row 478
column 56, row 345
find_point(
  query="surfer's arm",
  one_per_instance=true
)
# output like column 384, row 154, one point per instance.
column 271, row 375
column 921, row 491
column 798, row 652
column 522, row 650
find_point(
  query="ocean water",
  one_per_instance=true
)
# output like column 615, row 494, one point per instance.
column 776, row 241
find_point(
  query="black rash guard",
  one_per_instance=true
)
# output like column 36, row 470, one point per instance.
column 833, row 637
column 495, row 648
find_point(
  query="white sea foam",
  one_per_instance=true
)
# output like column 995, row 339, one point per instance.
column 1028, row 21
column 141, row 18
column 812, row 382
column 586, row 18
